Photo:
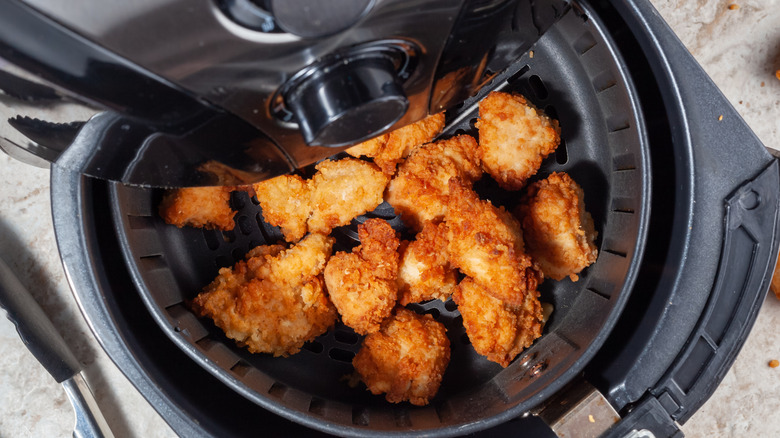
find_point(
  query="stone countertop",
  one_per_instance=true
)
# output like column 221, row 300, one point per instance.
column 738, row 46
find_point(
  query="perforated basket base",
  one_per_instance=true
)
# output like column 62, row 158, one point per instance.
column 576, row 76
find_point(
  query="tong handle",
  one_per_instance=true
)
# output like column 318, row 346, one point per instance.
column 35, row 328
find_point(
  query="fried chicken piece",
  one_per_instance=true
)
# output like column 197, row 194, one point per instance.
column 406, row 359
column 425, row 272
column 391, row 148
column 336, row 194
column 286, row 204
column 362, row 284
column 202, row 207
column 559, row 233
column 419, row 192
column 497, row 331
column 274, row 301
column 342, row 190
column 514, row 138
column 486, row 243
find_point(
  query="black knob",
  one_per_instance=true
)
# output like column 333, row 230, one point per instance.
column 317, row 18
column 347, row 101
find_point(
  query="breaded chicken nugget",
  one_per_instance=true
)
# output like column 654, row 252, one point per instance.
column 286, row 203
column 497, row 331
column 274, row 301
column 362, row 284
column 514, row 138
column 559, row 233
column 419, row 192
column 342, row 190
column 486, row 243
column 406, row 359
column 391, row 148
column 202, row 207
column 425, row 272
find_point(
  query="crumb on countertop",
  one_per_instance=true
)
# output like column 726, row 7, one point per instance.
column 774, row 363
column 733, row 6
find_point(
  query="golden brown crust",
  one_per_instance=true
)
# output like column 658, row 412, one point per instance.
column 286, row 204
column 514, row 138
column 339, row 191
column 406, row 359
column 419, row 193
column 342, row 190
column 495, row 330
column 202, row 207
column 425, row 272
column 486, row 243
column 559, row 232
column 362, row 284
column 274, row 301
column 389, row 149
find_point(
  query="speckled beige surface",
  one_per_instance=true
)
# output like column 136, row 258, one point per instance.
column 739, row 48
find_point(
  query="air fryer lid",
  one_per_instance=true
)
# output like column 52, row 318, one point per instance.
column 576, row 75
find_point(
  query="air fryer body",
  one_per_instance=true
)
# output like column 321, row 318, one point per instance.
column 262, row 87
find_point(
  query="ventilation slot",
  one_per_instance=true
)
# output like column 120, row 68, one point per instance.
column 401, row 418
column 341, row 355
column 241, row 369
column 345, row 337
column 317, row 406
column 360, row 416
column 538, row 87
column 623, row 205
column 617, row 253
column 624, row 162
column 229, row 236
column 616, row 123
column 584, row 43
column 140, row 222
column 562, row 153
column 245, row 225
column 598, row 293
column 515, row 77
column 210, row 236
column 451, row 305
column 604, row 81
column 152, row 263
column 314, row 346
column 277, row 390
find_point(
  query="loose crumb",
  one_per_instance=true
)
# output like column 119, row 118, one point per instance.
column 531, row 55
column 720, row 117
column 762, row 82
column 733, row 6
column 591, row 419
column 774, row 363
column 777, row 74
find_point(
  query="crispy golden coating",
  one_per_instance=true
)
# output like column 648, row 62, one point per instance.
column 203, row 207
column 425, row 272
column 342, row 190
column 514, row 138
column 286, row 204
column 559, row 233
column 391, row 148
column 486, row 243
column 419, row 193
column 497, row 331
column 362, row 284
column 336, row 194
column 274, row 301
column 406, row 359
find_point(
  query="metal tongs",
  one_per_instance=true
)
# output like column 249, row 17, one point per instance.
column 46, row 344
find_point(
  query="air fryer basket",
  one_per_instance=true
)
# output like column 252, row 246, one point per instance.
column 577, row 76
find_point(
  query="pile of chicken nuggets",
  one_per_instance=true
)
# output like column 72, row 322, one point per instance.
column 489, row 260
